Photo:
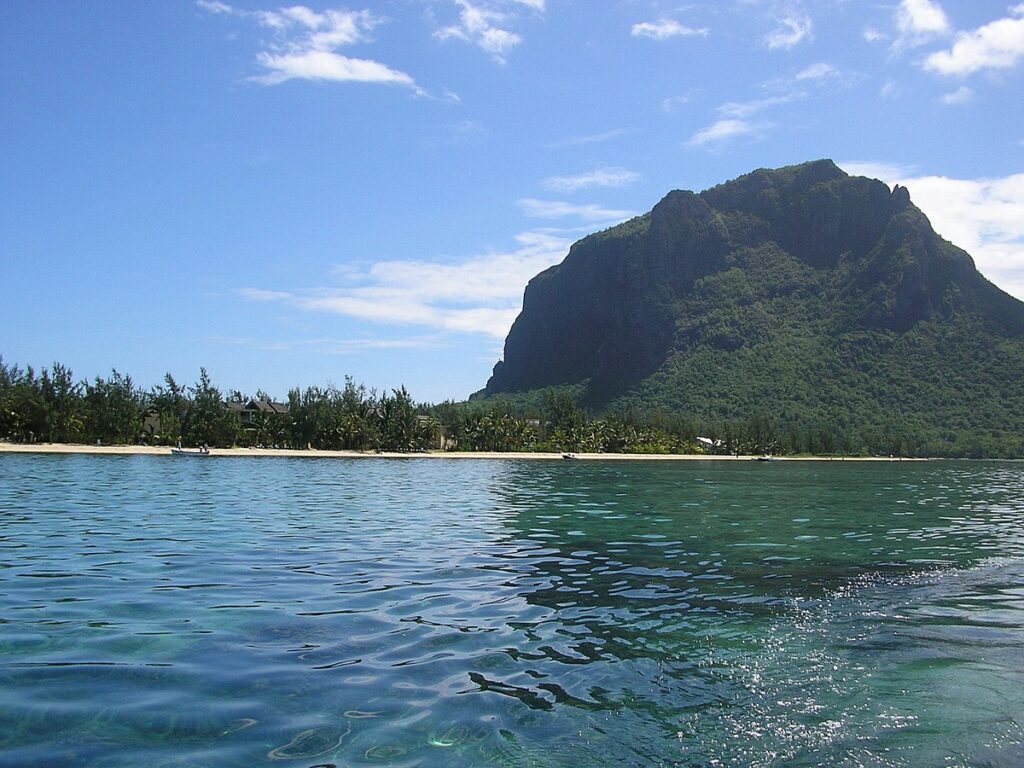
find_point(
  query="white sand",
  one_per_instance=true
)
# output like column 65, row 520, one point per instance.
column 149, row 450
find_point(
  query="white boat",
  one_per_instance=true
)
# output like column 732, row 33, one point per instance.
column 190, row 451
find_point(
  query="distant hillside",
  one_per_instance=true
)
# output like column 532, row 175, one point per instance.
column 801, row 294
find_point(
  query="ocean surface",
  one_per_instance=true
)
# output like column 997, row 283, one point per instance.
column 159, row 611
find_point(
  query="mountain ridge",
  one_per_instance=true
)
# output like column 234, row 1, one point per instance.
column 707, row 299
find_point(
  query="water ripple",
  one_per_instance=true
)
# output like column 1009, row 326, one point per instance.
column 497, row 613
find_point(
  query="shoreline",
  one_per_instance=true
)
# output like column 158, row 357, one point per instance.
column 161, row 450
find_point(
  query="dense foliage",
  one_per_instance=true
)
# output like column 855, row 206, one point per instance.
column 798, row 309
column 552, row 421
column 51, row 406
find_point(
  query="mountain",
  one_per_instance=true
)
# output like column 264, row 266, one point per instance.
column 800, row 293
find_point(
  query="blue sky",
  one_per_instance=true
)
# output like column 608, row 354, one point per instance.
column 289, row 194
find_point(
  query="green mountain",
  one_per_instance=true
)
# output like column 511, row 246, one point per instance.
column 800, row 294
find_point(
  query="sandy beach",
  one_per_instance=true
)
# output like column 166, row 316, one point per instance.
column 160, row 450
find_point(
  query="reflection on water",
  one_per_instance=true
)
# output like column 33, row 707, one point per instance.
column 302, row 612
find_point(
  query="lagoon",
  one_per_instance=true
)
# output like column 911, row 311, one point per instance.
column 313, row 612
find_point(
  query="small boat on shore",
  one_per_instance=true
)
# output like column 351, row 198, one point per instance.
column 190, row 451
column 569, row 456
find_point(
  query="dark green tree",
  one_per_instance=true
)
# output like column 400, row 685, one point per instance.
column 62, row 396
column 114, row 410
column 398, row 423
column 23, row 417
column 358, row 422
column 168, row 409
column 208, row 421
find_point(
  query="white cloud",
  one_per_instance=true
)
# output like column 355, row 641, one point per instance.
column 985, row 217
column 327, row 65
column 961, row 95
column 793, row 28
column 329, row 346
column 306, row 45
column 734, row 116
column 663, row 29
column 889, row 89
column 593, row 138
column 260, row 294
column 815, row 72
column 321, row 31
column 872, row 35
column 918, row 22
column 481, row 294
column 742, row 109
column 600, row 177
column 215, row 6
column 722, row 130
column 996, row 45
column 492, row 277
column 483, row 23
column 882, row 171
column 921, row 19
column 672, row 103
column 558, row 209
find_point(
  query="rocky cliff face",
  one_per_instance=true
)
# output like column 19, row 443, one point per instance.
column 802, row 251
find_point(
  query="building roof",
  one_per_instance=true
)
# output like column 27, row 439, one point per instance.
column 267, row 406
column 252, row 406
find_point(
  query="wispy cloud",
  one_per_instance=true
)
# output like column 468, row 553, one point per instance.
column 262, row 294
column 742, row 109
column 983, row 216
column 307, row 42
column 794, row 27
column 459, row 133
column 872, row 35
column 816, row 72
column 599, row 177
column 665, row 29
column 327, row 345
column 673, row 103
column 559, row 209
column 215, row 6
column 996, row 45
column 721, row 130
column 481, row 294
column 591, row 138
column 961, row 95
column 484, row 23
column 735, row 118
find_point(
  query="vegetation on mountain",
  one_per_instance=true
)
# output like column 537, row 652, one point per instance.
column 819, row 306
column 797, row 310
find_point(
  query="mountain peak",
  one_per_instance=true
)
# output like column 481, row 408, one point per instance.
column 777, row 261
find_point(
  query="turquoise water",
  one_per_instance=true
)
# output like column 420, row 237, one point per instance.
column 301, row 612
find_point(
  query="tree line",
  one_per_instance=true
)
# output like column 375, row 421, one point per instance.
column 50, row 405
